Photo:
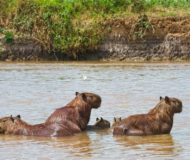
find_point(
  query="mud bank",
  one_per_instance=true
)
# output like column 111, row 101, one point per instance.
column 22, row 49
column 165, row 39
column 127, row 39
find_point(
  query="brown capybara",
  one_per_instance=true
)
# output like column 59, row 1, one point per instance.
column 77, row 112
column 16, row 126
column 158, row 120
column 116, row 121
column 100, row 124
column 4, row 123
column 72, row 118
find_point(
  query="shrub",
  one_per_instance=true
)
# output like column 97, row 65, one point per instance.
column 9, row 37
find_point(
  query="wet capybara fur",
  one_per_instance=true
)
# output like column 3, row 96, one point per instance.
column 100, row 124
column 77, row 112
column 72, row 118
column 158, row 120
column 16, row 126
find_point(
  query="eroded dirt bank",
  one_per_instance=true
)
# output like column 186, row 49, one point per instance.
column 125, row 39
column 163, row 39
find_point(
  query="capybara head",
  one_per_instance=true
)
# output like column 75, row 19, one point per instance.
column 91, row 99
column 119, row 130
column 7, row 122
column 102, row 123
column 116, row 121
column 174, row 104
column 168, row 105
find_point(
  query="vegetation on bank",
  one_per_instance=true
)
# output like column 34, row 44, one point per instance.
column 75, row 26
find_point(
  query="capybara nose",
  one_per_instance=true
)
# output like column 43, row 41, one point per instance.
column 97, row 102
column 119, row 131
column 181, row 108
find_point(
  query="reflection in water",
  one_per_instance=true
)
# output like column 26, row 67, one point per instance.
column 157, row 144
column 78, row 145
column 35, row 90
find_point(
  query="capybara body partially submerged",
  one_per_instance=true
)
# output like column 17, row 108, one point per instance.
column 77, row 112
column 100, row 124
column 73, row 118
column 16, row 126
column 158, row 120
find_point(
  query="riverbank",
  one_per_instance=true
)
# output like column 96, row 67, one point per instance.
column 154, row 39
column 104, row 31
column 165, row 39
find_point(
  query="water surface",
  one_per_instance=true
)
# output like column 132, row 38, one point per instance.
column 35, row 90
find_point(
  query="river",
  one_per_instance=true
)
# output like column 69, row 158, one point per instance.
column 35, row 90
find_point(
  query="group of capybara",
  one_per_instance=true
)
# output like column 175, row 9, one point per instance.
column 74, row 117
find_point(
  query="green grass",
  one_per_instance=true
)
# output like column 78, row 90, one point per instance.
column 74, row 26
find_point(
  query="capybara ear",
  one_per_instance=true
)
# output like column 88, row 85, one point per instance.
column 84, row 97
column 12, row 119
column 101, row 119
column 119, row 118
column 114, row 119
column 18, row 116
column 167, row 99
column 76, row 93
column 161, row 98
column 97, row 119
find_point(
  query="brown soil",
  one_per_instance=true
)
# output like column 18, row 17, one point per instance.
column 126, row 39
column 164, row 39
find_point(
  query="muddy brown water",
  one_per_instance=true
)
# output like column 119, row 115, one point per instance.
column 35, row 90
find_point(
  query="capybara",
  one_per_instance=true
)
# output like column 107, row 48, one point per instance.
column 16, row 126
column 158, row 120
column 72, row 118
column 100, row 124
column 116, row 121
column 77, row 112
